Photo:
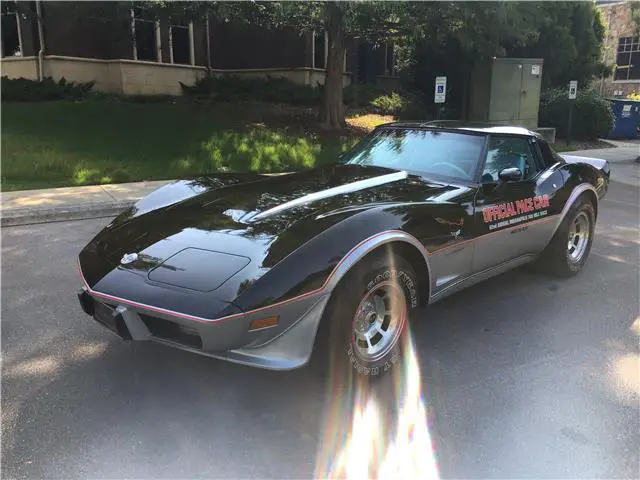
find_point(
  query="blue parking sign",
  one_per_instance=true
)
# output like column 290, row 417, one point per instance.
column 440, row 92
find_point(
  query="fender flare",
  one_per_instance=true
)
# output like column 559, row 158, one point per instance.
column 573, row 198
column 368, row 245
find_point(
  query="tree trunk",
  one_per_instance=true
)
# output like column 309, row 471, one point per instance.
column 332, row 112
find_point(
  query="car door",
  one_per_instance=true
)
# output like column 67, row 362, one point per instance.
column 513, row 215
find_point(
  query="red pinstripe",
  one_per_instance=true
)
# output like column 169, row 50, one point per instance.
column 317, row 291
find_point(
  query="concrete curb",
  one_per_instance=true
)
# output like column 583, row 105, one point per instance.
column 31, row 215
column 108, row 201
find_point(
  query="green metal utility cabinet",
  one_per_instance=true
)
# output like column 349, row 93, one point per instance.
column 506, row 90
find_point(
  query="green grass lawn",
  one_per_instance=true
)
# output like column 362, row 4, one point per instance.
column 55, row 144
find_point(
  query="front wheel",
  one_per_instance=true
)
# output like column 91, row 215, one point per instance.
column 368, row 316
column 569, row 249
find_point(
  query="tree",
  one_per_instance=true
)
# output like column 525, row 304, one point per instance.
column 567, row 35
column 570, row 42
column 373, row 21
column 449, row 37
column 332, row 114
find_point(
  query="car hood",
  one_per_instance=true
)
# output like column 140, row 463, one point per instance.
column 248, row 225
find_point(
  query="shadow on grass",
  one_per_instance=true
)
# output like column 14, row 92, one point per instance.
column 265, row 150
column 64, row 144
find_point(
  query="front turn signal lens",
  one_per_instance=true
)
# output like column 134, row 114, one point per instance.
column 263, row 323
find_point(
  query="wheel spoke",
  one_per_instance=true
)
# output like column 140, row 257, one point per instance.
column 368, row 339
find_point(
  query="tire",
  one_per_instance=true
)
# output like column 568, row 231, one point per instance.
column 569, row 248
column 374, row 300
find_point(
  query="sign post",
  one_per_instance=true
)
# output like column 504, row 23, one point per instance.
column 573, row 93
column 440, row 94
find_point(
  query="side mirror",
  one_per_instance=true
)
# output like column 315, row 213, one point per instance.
column 512, row 174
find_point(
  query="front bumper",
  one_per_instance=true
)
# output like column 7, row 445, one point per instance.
column 285, row 346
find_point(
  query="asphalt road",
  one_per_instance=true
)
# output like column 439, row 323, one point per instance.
column 523, row 375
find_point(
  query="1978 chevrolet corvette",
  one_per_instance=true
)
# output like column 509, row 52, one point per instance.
column 254, row 268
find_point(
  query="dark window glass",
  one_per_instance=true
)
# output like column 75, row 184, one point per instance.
column 146, row 40
column 440, row 154
column 634, row 71
column 319, row 50
column 622, row 62
column 549, row 156
column 508, row 152
column 8, row 8
column 10, row 41
column 180, row 44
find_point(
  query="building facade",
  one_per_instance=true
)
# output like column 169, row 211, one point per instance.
column 622, row 49
column 124, row 50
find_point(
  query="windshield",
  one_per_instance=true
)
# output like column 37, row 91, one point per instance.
column 428, row 152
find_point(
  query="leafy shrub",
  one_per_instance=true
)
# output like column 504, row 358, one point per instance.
column 592, row 114
column 391, row 104
column 229, row 88
column 25, row 90
column 406, row 105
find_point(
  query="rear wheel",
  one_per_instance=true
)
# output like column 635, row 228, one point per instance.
column 569, row 248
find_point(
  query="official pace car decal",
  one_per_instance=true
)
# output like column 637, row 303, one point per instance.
column 510, row 213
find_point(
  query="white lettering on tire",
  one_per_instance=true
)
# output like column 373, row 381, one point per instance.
column 411, row 290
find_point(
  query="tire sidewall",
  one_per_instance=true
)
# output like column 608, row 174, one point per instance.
column 364, row 279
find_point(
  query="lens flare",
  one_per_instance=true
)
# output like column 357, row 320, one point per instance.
column 378, row 428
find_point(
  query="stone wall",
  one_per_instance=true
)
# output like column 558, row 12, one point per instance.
column 149, row 78
column 617, row 18
column 114, row 76
column 133, row 77
column 19, row 67
column 107, row 77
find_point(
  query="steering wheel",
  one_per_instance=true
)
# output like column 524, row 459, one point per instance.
column 453, row 167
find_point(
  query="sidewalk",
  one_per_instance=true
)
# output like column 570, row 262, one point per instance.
column 75, row 203
column 71, row 203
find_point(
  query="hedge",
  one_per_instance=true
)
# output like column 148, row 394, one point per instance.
column 592, row 114
column 228, row 88
column 25, row 90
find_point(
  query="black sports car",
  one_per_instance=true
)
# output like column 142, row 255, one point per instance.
column 250, row 268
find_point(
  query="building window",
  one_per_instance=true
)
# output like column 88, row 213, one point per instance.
column 146, row 37
column 628, row 59
column 11, row 33
column 319, row 49
column 181, row 42
column 389, row 60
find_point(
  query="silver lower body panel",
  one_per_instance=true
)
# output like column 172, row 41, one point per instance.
column 286, row 346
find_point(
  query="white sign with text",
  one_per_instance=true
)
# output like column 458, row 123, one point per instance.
column 440, row 92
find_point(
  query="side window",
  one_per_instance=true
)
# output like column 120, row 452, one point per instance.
column 506, row 152
column 549, row 157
